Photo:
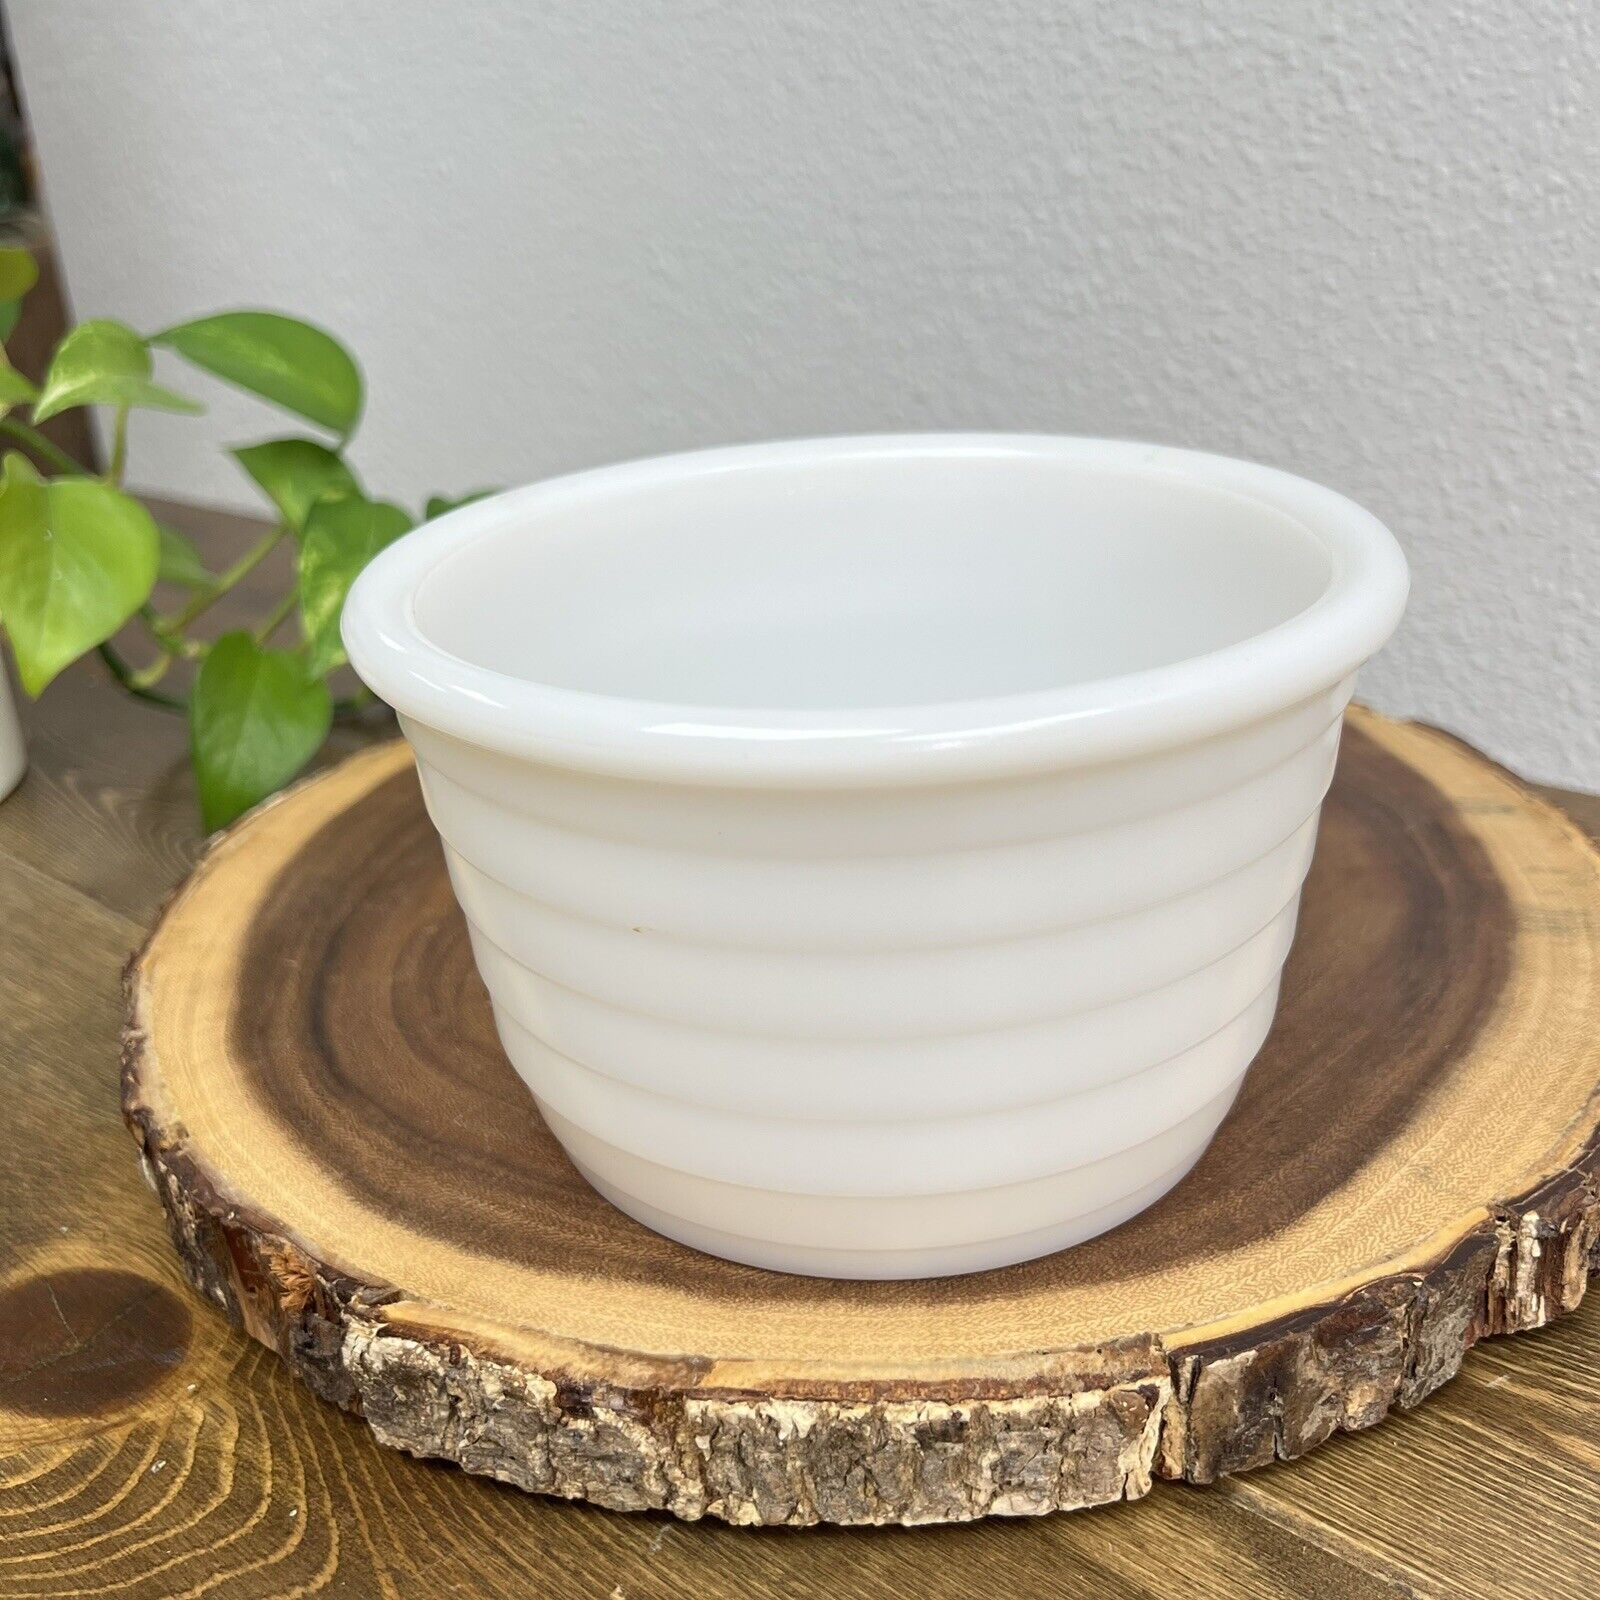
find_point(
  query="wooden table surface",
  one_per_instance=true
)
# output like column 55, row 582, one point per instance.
column 148, row 1450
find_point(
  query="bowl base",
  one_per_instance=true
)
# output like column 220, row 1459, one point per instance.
column 943, row 1261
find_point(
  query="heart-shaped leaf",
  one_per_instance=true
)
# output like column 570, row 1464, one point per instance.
column 256, row 717
column 342, row 536
column 180, row 561
column 103, row 363
column 438, row 504
column 77, row 559
column 295, row 474
column 18, row 274
column 290, row 363
column 15, row 390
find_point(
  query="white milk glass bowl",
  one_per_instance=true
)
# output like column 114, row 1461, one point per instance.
column 881, row 853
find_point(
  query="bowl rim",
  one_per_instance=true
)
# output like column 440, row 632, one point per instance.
column 1088, row 722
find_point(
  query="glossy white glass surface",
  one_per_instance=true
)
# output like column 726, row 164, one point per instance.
column 881, row 852
column 13, row 749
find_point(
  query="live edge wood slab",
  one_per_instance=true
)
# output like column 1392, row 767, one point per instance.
column 350, row 1170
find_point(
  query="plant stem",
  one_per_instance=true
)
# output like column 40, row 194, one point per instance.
column 167, row 642
column 119, row 448
column 147, row 677
column 247, row 563
column 275, row 616
column 132, row 681
column 41, row 446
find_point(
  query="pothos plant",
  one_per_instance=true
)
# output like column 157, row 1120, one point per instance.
column 80, row 557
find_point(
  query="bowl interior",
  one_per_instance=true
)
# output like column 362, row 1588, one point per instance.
column 854, row 582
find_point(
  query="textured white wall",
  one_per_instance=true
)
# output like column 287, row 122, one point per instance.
column 1359, row 242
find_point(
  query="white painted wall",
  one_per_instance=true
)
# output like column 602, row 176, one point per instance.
column 1361, row 242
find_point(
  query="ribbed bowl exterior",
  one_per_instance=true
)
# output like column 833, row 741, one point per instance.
column 887, row 1031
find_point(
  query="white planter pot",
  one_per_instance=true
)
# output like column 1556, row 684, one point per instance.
column 881, row 852
column 13, row 750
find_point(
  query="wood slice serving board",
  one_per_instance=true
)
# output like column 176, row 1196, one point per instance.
column 353, row 1173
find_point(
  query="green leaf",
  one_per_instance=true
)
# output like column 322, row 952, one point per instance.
column 18, row 273
column 294, row 365
column 342, row 536
column 103, row 363
column 438, row 504
column 295, row 474
column 15, row 389
column 256, row 717
column 77, row 559
column 180, row 561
